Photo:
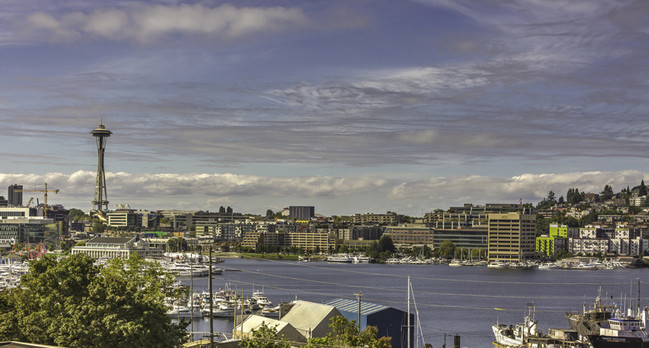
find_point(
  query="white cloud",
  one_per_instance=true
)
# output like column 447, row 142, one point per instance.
column 353, row 194
column 149, row 23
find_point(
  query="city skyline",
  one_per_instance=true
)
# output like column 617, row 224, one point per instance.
column 350, row 107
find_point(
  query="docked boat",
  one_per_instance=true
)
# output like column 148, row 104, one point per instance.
column 623, row 331
column 340, row 258
column 498, row 265
column 589, row 321
column 361, row 259
column 518, row 335
column 270, row 311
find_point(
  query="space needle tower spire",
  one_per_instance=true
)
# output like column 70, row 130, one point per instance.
column 101, row 133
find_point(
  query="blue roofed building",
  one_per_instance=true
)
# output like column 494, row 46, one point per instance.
column 389, row 321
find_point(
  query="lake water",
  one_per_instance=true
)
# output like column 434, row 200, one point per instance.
column 450, row 300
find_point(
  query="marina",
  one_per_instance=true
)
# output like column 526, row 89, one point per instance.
column 465, row 301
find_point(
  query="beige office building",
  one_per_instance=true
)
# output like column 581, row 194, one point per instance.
column 511, row 237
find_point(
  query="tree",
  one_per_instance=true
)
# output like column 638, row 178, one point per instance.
column 643, row 189
column 447, row 249
column 177, row 244
column 222, row 210
column 269, row 213
column 386, row 244
column 265, row 336
column 345, row 333
column 229, row 210
column 72, row 302
column 98, row 227
column 76, row 214
column 607, row 193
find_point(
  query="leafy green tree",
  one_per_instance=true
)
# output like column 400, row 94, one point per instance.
column 98, row 227
column 345, row 333
column 265, row 336
column 177, row 244
column 76, row 214
column 72, row 302
column 447, row 249
column 386, row 244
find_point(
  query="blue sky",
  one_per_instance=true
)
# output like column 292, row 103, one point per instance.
column 350, row 106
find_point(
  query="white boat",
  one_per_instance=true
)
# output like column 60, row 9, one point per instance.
column 548, row 266
column 177, row 311
column 340, row 258
column 498, row 265
column 270, row 311
column 516, row 335
column 260, row 299
column 456, row 263
column 361, row 259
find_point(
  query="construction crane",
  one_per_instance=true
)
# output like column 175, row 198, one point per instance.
column 29, row 202
column 44, row 191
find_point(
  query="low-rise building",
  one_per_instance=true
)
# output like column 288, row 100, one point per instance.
column 116, row 247
column 410, row 234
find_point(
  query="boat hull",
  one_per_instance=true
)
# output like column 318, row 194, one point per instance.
column 617, row 342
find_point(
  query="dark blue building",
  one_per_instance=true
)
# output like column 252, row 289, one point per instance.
column 390, row 322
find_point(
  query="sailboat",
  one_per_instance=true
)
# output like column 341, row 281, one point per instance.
column 419, row 333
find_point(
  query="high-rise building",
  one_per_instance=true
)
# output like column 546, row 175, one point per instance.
column 15, row 195
column 511, row 237
column 101, row 196
column 301, row 212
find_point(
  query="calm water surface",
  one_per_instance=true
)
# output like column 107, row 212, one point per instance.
column 449, row 300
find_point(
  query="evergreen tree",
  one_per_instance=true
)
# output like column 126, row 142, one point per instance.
column 643, row 189
column 607, row 193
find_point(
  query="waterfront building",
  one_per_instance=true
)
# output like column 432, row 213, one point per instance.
column 388, row 320
column 410, row 234
column 549, row 245
column 511, row 237
column 356, row 232
column 462, row 237
column 116, row 247
column 468, row 215
column 311, row 241
column 588, row 246
column 309, row 318
column 253, row 322
column 301, row 212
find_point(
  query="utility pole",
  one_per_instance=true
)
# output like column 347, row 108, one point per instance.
column 358, row 296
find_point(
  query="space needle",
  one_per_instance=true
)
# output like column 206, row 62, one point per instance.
column 101, row 197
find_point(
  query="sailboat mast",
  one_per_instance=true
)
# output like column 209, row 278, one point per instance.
column 408, row 326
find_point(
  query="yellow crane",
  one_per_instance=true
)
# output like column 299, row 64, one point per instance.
column 44, row 191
